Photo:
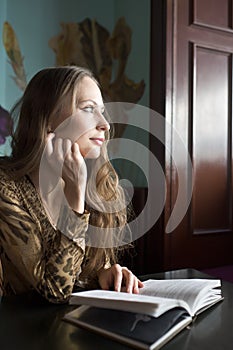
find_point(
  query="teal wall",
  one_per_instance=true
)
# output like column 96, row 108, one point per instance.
column 35, row 22
column 3, row 63
column 137, row 15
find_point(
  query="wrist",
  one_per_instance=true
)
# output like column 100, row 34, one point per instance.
column 76, row 199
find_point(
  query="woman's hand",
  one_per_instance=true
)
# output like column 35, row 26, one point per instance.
column 119, row 279
column 67, row 162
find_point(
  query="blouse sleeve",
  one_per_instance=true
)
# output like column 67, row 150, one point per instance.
column 51, row 270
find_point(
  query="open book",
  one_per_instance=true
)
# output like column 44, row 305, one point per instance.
column 147, row 320
column 157, row 297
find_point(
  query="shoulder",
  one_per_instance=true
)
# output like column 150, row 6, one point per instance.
column 8, row 185
column 6, row 176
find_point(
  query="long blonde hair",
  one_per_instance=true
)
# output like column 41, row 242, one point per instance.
column 50, row 91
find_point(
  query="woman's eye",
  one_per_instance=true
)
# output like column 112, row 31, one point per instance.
column 89, row 109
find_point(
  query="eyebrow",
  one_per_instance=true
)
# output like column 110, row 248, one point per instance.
column 90, row 100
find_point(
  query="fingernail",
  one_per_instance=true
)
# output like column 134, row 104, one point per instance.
column 50, row 134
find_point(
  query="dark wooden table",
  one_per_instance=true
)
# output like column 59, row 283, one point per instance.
column 25, row 326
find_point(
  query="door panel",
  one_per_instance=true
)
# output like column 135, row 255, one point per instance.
column 199, row 106
column 210, row 139
column 216, row 13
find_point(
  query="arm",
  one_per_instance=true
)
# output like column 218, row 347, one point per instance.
column 49, row 266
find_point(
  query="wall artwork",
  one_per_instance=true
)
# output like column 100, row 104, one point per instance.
column 90, row 45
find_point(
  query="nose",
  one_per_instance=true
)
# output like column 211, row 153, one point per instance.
column 102, row 123
column 104, row 127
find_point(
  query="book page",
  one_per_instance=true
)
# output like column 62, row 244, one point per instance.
column 156, row 297
column 149, row 305
column 197, row 293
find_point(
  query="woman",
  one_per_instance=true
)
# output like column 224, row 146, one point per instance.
column 50, row 152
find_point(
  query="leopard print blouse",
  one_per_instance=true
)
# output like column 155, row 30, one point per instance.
column 34, row 254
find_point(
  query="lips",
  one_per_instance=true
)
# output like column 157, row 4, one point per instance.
column 97, row 140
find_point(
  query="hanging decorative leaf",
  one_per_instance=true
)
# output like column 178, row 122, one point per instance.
column 13, row 52
column 67, row 46
column 95, row 47
column 122, row 88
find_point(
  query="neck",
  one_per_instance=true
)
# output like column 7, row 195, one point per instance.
column 34, row 177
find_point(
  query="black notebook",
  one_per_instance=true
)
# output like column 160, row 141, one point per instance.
column 137, row 330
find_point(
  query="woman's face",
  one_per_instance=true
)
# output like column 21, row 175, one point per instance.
column 87, row 126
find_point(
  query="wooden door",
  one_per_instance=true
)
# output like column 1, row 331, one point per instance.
column 199, row 105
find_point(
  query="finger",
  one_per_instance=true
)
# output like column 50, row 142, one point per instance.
column 75, row 148
column 140, row 284
column 58, row 148
column 129, row 280
column 137, row 285
column 49, row 144
column 76, row 152
column 50, row 136
column 67, row 144
column 117, row 278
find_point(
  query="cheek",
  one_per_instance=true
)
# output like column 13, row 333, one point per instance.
column 83, row 123
column 83, row 127
column 88, row 150
column 74, row 127
column 83, row 145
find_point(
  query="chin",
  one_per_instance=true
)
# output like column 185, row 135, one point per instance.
column 92, row 154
